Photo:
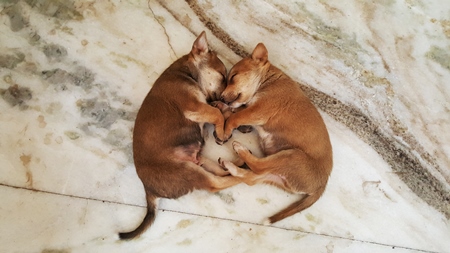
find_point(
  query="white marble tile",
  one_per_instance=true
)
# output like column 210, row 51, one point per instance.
column 88, row 66
column 78, row 122
column 42, row 222
column 35, row 222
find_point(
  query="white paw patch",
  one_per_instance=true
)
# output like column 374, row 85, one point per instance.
column 238, row 147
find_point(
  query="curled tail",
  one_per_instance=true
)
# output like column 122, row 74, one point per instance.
column 148, row 219
column 297, row 206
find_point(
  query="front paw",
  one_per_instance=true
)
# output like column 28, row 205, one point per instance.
column 224, row 108
column 220, row 141
column 245, row 129
column 220, row 105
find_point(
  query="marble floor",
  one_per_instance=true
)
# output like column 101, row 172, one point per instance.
column 74, row 73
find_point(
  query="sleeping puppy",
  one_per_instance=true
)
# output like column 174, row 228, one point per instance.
column 293, row 136
column 167, row 137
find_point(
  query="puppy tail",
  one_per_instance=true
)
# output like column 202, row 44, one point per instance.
column 298, row 206
column 148, row 220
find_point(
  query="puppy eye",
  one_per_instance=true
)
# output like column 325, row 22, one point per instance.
column 231, row 78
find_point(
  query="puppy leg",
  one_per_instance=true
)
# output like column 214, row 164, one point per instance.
column 216, row 183
column 291, row 170
column 247, row 116
column 246, row 156
column 227, row 111
column 212, row 167
column 224, row 108
column 266, row 164
column 239, row 162
column 205, row 113
column 247, row 176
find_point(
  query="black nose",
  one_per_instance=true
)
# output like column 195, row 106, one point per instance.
column 222, row 99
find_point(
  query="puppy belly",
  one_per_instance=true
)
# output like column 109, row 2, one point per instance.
column 213, row 151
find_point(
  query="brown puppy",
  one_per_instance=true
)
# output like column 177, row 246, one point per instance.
column 167, row 137
column 293, row 136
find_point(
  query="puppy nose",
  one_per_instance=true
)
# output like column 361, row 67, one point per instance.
column 222, row 99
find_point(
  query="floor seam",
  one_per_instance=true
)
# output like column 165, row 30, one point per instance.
column 69, row 195
column 214, row 217
column 299, row 231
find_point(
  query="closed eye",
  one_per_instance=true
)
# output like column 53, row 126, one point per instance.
column 231, row 78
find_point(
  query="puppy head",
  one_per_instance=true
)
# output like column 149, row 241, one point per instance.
column 245, row 78
column 207, row 69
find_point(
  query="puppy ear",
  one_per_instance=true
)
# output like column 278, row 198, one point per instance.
column 260, row 54
column 200, row 46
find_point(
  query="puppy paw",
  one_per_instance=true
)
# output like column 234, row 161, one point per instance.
column 221, row 163
column 218, row 140
column 230, row 167
column 240, row 149
column 218, row 104
column 245, row 129
column 221, row 106
column 237, row 146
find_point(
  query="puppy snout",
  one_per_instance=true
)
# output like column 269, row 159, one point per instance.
column 227, row 100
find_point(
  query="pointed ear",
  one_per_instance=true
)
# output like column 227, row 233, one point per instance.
column 200, row 45
column 260, row 54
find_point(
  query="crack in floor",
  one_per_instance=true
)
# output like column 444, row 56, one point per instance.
column 164, row 29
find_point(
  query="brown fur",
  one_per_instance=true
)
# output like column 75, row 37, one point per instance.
column 293, row 136
column 167, row 137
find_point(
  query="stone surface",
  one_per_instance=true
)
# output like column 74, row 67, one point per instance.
column 74, row 74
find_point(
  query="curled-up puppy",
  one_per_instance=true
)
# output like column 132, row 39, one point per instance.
column 293, row 136
column 167, row 138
